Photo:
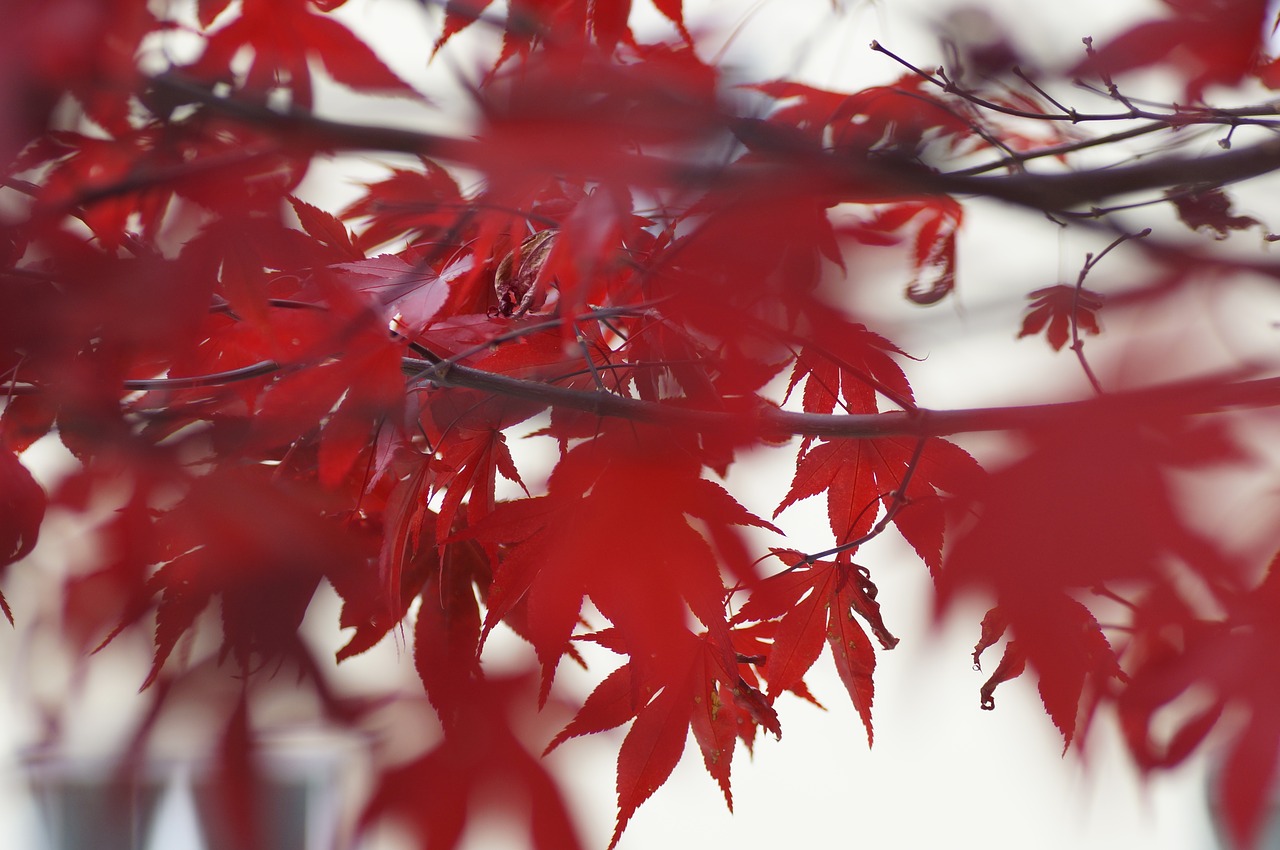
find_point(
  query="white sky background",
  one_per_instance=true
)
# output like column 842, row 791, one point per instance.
column 942, row 772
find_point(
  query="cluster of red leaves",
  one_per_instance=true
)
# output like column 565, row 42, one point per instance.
column 278, row 398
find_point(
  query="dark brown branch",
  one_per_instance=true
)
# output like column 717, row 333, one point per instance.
column 1055, row 192
column 1021, row 157
column 214, row 379
column 1177, row 399
column 1185, row 398
column 792, row 171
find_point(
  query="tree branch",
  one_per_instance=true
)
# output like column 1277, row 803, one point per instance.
column 794, row 169
column 1183, row 398
column 1175, row 399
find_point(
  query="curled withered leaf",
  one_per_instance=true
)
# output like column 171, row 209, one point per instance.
column 518, row 281
column 1208, row 208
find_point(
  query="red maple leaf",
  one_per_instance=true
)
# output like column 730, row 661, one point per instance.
column 859, row 475
column 223, row 540
column 1064, row 644
column 282, row 37
column 1230, row 664
column 1089, row 506
column 631, row 475
column 482, row 761
column 417, row 204
column 22, row 512
column 529, row 21
column 1212, row 42
column 689, row 689
column 847, row 364
column 410, row 295
column 813, row 602
column 894, row 119
column 1057, row 308
column 935, row 222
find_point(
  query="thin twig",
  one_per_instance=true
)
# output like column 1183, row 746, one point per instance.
column 1022, row 157
column 1036, row 86
column 1077, row 344
column 439, row 364
column 1171, row 116
column 896, row 502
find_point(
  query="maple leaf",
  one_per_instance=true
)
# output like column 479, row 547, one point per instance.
column 529, row 21
column 805, row 108
column 610, row 107
column 414, row 204
column 632, row 475
column 1056, row 309
column 858, row 475
column 1064, row 644
column 341, row 401
column 847, row 364
column 813, row 602
column 1208, row 209
column 24, row 503
column 1213, row 42
column 1089, row 504
column 24, row 420
column 469, row 463
column 1085, row 508
column 481, row 761
column 693, row 692
column 83, row 49
column 899, row 119
column 891, row 119
column 446, row 635
column 326, row 229
column 282, row 37
column 1229, row 662
column 779, row 252
column 935, row 222
column 237, row 794
column 609, row 23
column 412, row 296
column 934, row 252
column 224, row 539
column 656, row 740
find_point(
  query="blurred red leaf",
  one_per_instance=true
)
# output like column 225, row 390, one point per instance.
column 1090, row 505
column 482, row 761
column 282, row 37
column 23, row 508
column 1057, row 308
column 1212, row 42
column 1216, row 667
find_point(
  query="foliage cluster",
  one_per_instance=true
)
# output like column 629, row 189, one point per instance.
column 651, row 270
